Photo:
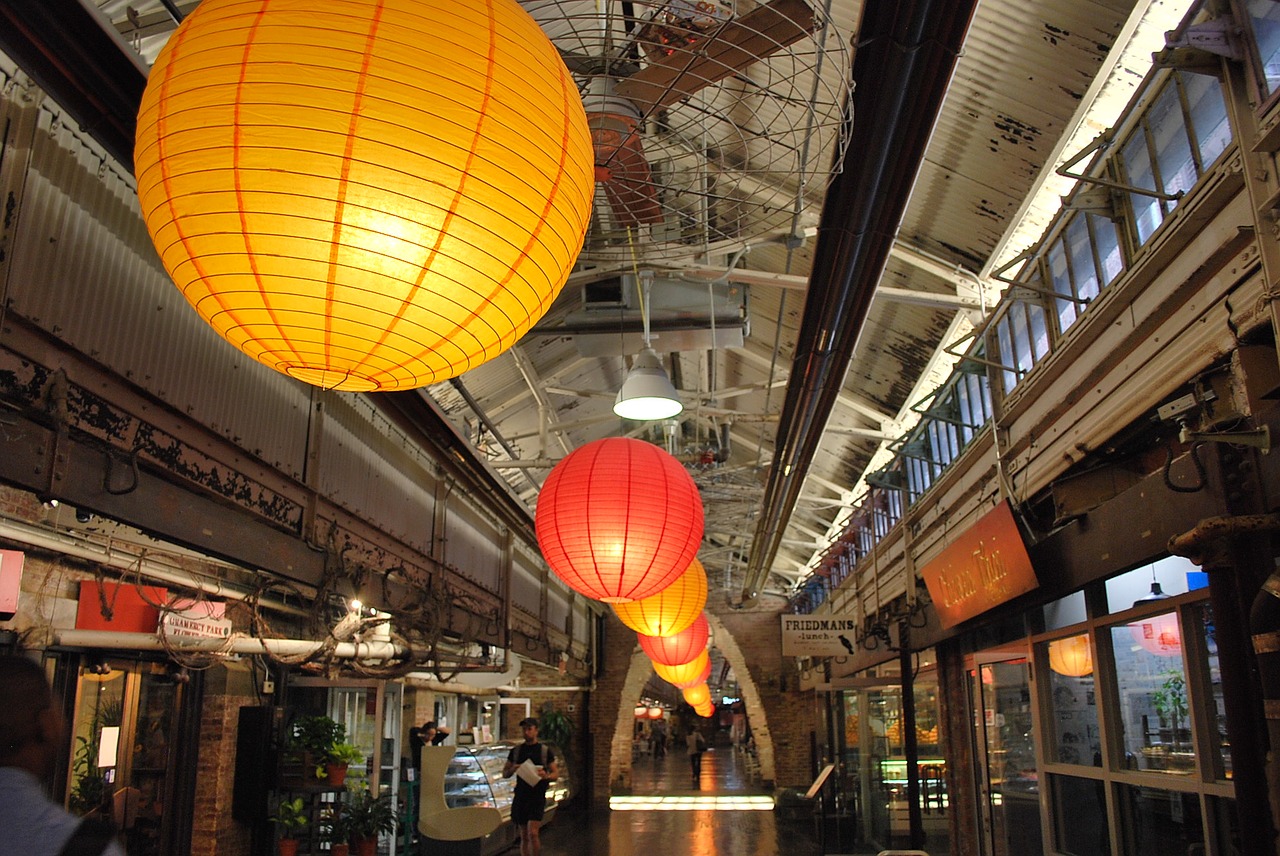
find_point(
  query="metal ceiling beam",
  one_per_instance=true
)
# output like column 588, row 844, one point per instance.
column 906, row 55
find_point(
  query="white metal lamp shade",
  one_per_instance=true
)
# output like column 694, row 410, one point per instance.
column 647, row 393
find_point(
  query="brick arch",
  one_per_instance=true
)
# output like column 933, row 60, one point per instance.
column 637, row 675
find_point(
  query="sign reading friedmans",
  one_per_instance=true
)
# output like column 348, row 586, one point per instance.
column 983, row 568
column 819, row 635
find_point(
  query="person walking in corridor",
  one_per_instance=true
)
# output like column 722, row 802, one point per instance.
column 696, row 744
column 530, row 799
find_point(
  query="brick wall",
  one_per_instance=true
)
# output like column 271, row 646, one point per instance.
column 214, row 832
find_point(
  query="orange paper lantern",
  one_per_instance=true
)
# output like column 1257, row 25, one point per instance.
column 671, row 610
column 655, row 713
column 366, row 194
column 619, row 520
column 698, row 695
column 1071, row 656
column 686, row 674
column 678, row 648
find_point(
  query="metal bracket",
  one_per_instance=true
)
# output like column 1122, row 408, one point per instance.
column 1259, row 438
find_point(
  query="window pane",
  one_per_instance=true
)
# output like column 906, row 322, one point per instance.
column 1152, row 686
column 1004, row 340
column 1039, row 331
column 1223, row 810
column 1107, row 240
column 1083, row 270
column 1158, row 822
column 1208, row 115
column 1072, row 703
column 1079, row 816
column 1147, row 213
column 1264, row 15
column 1216, row 709
column 1061, row 283
column 1021, row 337
column 1173, row 145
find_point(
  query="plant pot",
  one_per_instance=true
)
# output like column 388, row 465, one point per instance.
column 335, row 774
column 365, row 847
column 339, row 849
column 289, row 847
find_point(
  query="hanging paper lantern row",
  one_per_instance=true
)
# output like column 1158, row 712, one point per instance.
column 686, row 675
column 619, row 520
column 697, row 695
column 655, row 713
column 705, row 710
column 366, row 195
column 671, row 610
column 1071, row 656
column 641, row 711
column 680, row 648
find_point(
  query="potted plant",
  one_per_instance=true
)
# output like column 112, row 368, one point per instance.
column 291, row 815
column 368, row 816
column 1170, row 701
column 338, row 758
column 334, row 832
column 311, row 739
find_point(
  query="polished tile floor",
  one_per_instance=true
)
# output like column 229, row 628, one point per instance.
column 699, row 832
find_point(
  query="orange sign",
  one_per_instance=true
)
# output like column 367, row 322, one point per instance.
column 985, row 567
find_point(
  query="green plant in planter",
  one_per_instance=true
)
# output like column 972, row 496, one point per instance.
column 344, row 753
column 315, row 734
column 1170, row 701
column 368, row 816
column 291, row 815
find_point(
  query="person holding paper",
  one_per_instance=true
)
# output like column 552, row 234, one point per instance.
column 534, row 765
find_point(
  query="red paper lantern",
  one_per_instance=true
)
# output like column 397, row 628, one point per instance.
column 686, row 674
column 671, row 610
column 1158, row 634
column 680, row 648
column 619, row 520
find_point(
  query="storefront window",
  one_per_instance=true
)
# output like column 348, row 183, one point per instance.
column 1152, row 687
column 1080, row 816
column 1073, row 702
column 1264, row 16
column 1158, row 822
column 1215, row 707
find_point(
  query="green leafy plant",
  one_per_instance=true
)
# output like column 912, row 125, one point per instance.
column 334, row 828
column 556, row 728
column 315, row 734
column 291, row 815
column 89, row 791
column 1170, row 701
column 368, row 816
column 344, row 753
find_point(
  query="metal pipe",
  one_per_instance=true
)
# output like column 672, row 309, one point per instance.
column 233, row 645
column 489, row 425
column 901, row 70
column 143, row 565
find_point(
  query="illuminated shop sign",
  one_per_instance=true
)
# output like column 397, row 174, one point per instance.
column 985, row 567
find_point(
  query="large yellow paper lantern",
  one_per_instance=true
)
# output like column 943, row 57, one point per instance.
column 671, row 610
column 365, row 194
column 1071, row 656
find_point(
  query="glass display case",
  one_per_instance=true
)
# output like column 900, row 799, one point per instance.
column 474, row 777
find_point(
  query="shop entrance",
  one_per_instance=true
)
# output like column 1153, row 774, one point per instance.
column 125, row 727
column 1004, row 746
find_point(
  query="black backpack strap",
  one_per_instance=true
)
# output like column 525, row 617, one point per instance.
column 90, row 838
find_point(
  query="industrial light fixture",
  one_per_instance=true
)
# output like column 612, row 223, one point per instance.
column 647, row 394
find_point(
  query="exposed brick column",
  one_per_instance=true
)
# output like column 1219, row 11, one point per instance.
column 213, row 832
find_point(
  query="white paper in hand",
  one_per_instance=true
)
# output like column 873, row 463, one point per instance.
column 528, row 773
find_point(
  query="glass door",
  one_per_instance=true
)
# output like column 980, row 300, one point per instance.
column 123, row 731
column 1004, row 743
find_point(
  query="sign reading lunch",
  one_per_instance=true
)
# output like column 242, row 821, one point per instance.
column 983, row 568
column 819, row 635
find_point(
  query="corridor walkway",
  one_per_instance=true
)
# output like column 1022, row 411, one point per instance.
column 643, row 831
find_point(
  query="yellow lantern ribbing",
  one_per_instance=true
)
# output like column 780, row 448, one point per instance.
column 365, row 194
column 671, row 610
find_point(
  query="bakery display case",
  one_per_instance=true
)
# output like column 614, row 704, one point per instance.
column 474, row 778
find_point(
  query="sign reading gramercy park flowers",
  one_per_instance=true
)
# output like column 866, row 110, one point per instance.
column 819, row 635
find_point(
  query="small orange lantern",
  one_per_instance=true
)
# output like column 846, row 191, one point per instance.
column 698, row 695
